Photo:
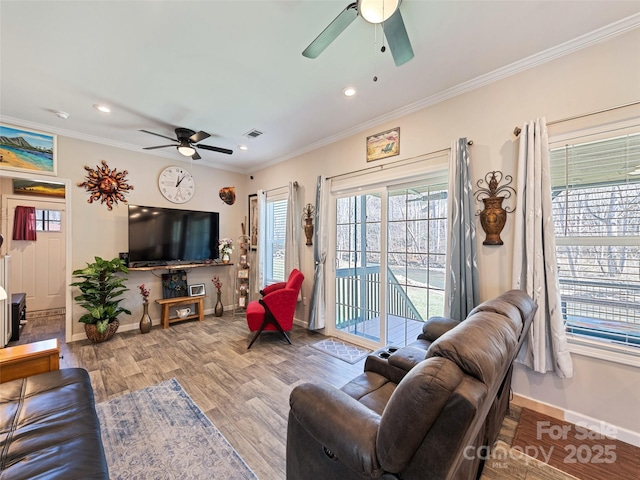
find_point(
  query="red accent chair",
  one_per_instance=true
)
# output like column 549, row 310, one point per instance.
column 274, row 311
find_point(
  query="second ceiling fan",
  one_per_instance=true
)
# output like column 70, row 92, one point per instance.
column 185, row 142
column 386, row 12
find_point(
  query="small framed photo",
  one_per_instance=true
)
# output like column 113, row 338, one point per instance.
column 383, row 145
column 196, row 290
column 243, row 260
column 243, row 273
column 242, row 302
column 253, row 221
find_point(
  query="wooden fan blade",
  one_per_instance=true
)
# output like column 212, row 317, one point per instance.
column 158, row 135
column 398, row 39
column 198, row 137
column 159, row 146
column 329, row 34
column 216, row 149
column 195, row 156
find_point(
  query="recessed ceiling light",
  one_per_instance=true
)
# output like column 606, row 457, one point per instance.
column 102, row 108
column 243, row 147
column 349, row 92
column 61, row 114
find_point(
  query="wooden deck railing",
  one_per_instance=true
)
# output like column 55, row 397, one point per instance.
column 358, row 296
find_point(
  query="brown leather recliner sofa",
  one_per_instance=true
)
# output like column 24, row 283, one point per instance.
column 424, row 411
column 49, row 428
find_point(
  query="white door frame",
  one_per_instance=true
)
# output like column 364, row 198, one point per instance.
column 4, row 215
column 330, row 285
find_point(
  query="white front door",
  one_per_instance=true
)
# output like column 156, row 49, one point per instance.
column 38, row 267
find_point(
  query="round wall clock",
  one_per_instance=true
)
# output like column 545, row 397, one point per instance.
column 176, row 184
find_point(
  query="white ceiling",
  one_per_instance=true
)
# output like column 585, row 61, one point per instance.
column 227, row 67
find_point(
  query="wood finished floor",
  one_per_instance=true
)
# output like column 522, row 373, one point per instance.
column 244, row 392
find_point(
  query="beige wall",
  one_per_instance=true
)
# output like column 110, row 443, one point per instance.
column 602, row 76
column 96, row 231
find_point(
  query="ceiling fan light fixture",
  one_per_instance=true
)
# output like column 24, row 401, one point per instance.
column 377, row 11
column 186, row 150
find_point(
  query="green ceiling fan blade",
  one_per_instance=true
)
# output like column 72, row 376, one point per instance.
column 398, row 39
column 329, row 34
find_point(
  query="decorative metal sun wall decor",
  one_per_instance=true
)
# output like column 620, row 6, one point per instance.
column 107, row 185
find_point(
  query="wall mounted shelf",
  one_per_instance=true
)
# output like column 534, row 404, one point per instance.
column 179, row 266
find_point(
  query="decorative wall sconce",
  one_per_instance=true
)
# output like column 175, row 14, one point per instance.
column 308, row 213
column 106, row 185
column 494, row 217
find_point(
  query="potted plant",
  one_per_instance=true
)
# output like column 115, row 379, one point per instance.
column 101, row 286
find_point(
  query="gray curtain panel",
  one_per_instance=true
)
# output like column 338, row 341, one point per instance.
column 462, row 285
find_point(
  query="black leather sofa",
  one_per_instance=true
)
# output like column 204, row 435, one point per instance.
column 49, row 428
column 430, row 410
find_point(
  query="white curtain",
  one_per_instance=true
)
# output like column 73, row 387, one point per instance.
column 318, row 310
column 462, row 291
column 291, row 241
column 534, row 259
column 262, row 238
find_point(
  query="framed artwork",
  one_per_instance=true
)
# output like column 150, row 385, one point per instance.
column 383, row 145
column 243, row 260
column 243, row 273
column 174, row 284
column 196, row 290
column 38, row 188
column 25, row 150
column 253, row 221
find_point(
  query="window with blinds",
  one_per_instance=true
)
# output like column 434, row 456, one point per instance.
column 596, row 208
column 276, row 229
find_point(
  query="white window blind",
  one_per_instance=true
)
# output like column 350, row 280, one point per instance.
column 596, row 208
column 276, row 229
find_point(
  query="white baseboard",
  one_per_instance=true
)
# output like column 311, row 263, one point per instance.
column 613, row 431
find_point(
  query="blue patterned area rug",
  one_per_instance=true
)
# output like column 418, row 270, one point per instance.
column 160, row 433
column 342, row 350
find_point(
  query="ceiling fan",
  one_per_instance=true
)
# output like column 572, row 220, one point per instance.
column 186, row 143
column 386, row 12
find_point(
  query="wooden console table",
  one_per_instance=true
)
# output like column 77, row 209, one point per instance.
column 166, row 303
column 30, row 359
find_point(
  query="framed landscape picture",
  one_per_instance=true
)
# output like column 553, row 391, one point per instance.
column 25, row 150
column 383, row 145
column 38, row 187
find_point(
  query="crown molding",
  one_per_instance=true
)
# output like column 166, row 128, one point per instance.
column 104, row 141
column 597, row 36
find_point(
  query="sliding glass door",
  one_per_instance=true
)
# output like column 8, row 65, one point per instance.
column 416, row 258
column 358, row 246
column 390, row 254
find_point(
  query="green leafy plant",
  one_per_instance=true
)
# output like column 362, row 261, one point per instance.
column 101, row 286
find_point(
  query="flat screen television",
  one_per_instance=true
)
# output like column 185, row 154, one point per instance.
column 167, row 236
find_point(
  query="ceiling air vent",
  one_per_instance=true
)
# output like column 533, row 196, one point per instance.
column 253, row 133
